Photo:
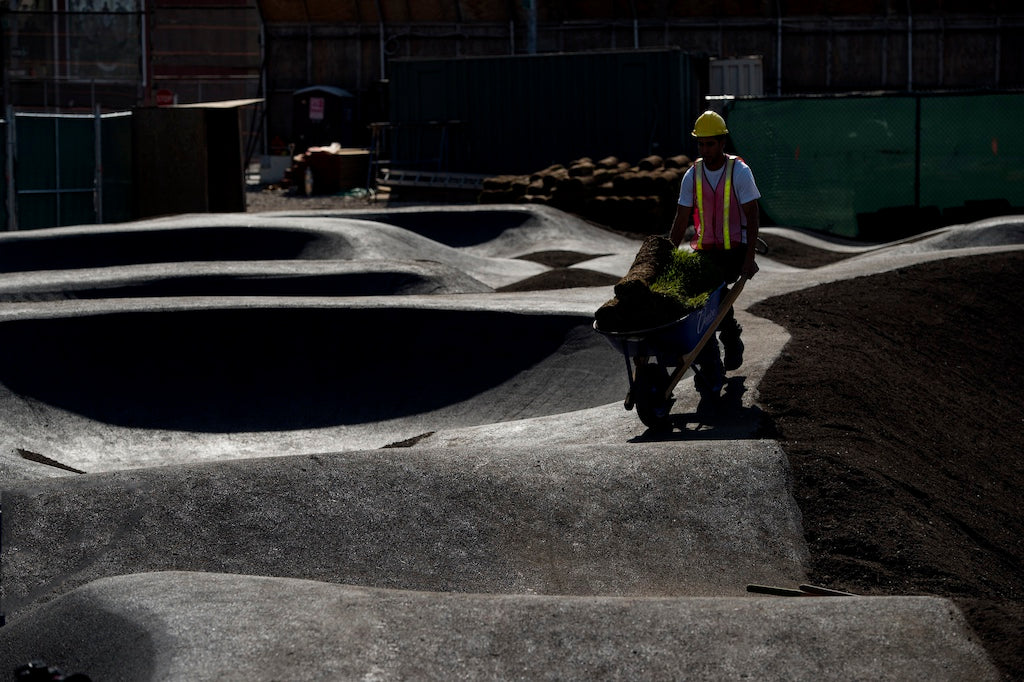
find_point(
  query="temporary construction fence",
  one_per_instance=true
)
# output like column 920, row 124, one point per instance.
column 879, row 167
column 77, row 169
column 65, row 169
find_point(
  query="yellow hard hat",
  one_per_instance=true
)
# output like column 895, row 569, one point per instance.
column 709, row 124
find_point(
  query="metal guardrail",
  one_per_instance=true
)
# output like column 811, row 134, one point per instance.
column 441, row 180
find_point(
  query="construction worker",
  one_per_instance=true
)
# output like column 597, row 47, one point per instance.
column 719, row 191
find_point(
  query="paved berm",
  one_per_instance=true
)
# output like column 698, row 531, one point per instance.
column 377, row 442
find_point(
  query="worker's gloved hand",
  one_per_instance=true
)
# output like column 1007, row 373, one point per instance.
column 749, row 269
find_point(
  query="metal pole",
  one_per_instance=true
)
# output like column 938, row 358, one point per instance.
column 778, row 56
column 885, row 58
column 531, row 26
column 56, row 158
column 910, row 49
column 942, row 50
column 380, row 40
column 383, row 69
column 917, row 152
column 828, row 60
column 998, row 47
column 309, row 53
column 12, row 149
column 97, row 197
column 263, row 85
column 144, row 57
column 636, row 27
column 56, row 53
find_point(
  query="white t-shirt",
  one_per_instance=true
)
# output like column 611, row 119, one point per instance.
column 742, row 183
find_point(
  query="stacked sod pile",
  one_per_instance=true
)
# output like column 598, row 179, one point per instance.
column 663, row 285
column 637, row 197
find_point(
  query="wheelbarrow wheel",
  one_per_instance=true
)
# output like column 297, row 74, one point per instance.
column 649, row 396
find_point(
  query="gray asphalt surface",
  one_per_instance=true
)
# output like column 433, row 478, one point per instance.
column 239, row 516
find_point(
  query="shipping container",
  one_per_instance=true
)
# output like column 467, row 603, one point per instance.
column 519, row 114
column 739, row 77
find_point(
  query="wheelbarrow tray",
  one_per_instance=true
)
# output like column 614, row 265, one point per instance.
column 675, row 344
column 667, row 342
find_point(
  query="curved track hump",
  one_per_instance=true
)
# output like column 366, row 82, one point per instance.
column 136, row 629
column 630, row 519
column 242, row 239
column 227, row 370
column 498, row 230
column 259, row 278
column 458, row 229
column 62, row 248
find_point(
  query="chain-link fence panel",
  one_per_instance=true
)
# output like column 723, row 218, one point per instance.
column 55, row 171
column 882, row 167
column 75, row 57
column 972, row 155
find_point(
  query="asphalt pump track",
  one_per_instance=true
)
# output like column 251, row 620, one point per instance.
column 255, row 456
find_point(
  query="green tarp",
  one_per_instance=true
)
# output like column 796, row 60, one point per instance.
column 846, row 165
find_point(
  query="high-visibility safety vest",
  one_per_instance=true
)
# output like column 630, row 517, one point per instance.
column 717, row 215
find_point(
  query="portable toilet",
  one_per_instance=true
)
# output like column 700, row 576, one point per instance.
column 322, row 114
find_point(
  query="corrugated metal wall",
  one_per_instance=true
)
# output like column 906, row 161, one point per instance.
column 806, row 47
column 522, row 113
column 71, row 56
column 205, row 52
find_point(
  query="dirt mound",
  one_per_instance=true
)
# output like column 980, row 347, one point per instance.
column 897, row 403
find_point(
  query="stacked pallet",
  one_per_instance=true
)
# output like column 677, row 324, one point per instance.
column 637, row 197
column 327, row 170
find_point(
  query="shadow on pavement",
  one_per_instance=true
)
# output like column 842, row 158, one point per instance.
column 724, row 419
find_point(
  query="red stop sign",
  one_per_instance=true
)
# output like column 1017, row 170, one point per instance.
column 164, row 98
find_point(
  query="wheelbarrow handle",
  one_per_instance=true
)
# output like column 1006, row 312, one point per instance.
column 687, row 359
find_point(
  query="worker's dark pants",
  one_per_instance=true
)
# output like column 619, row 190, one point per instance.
column 731, row 262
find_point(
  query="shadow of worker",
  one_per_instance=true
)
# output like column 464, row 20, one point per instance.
column 715, row 418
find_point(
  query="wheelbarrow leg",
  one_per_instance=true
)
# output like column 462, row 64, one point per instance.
column 628, row 402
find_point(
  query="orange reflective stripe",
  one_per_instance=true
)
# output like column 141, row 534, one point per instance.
column 698, row 181
column 728, row 200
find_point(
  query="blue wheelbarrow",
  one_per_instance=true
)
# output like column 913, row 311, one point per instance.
column 657, row 358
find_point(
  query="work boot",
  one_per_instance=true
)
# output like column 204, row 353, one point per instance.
column 733, row 346
column 708, row 376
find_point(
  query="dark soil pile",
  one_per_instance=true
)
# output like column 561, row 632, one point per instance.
column 896, row 402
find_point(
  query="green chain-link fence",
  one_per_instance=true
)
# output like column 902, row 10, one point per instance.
column 65, row 169
column 882, row 167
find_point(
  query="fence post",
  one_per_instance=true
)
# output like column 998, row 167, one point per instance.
column 97, row 194
column 917, row 151
column 12, row 147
